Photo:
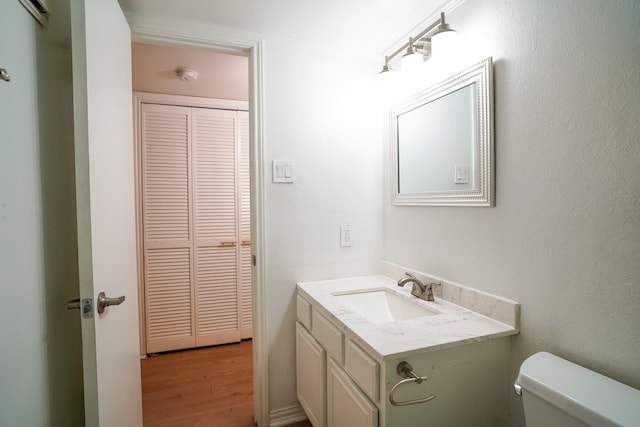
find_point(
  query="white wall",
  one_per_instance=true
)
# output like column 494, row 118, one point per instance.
column 40, row 364
column 564, row 237
column 320, row 111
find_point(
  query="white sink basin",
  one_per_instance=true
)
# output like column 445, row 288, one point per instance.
column 383, row 306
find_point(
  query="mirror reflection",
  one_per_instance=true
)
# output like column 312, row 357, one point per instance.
column 442, row 142
column 443, row 157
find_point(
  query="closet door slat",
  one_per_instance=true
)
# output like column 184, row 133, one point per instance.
column 216, row 242
column 214, row 174
column 217, row 300
column 165, row 159
column 168, row 299
column 167, row 235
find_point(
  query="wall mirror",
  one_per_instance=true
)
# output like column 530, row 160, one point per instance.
column 442, row 142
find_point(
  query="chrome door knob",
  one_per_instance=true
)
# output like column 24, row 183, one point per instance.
column 104, row 302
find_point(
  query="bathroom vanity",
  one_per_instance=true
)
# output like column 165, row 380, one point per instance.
column 353, row 334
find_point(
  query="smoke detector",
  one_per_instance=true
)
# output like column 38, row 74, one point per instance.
column 187, row 74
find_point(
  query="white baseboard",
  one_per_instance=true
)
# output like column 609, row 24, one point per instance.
column 285, row 416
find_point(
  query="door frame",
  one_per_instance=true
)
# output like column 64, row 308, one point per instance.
column 169, row 32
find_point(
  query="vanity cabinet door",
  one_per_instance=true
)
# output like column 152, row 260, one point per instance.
column 311, row 371
column 347, row 406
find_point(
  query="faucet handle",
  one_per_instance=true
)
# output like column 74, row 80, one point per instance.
column 429, row 290
column 410, row 275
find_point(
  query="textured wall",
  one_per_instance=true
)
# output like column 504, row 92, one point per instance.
column 318, row 113
column 564, row 237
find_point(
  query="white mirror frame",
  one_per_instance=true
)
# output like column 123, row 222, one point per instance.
column 483, row 192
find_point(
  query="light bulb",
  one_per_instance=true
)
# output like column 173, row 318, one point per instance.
column 411, row 62
column 443, row 43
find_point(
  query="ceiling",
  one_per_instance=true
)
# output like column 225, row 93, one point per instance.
column 368, row 25
column 220, row 75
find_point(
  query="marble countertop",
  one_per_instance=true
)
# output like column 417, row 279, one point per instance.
column 454, row 326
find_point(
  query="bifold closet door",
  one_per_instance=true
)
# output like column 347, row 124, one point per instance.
column 167, row 211
column 196, row 219
column 216, row 242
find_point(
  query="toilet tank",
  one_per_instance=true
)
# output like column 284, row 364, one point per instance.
column 557, row 392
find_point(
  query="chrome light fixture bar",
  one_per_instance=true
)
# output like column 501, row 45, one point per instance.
column 420, row 44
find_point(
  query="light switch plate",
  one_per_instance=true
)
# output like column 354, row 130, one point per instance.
column 283, row 171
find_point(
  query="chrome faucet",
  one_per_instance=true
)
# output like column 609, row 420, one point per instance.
column 419, row 289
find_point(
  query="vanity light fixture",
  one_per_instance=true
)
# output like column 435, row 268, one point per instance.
column 412, row 59
column 385, row 68
column 418, row 48
column 387, row 74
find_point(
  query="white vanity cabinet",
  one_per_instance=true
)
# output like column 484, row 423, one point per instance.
column 342, row 382
column 325, row 391
column 346, row 404
column 311, row 371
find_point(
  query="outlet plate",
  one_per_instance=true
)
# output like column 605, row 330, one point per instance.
column 461, row 174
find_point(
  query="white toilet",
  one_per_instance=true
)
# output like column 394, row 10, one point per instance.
column 559, row 393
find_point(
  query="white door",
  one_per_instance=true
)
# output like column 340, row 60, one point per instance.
column 101, row 50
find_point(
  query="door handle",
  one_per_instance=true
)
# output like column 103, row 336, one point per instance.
column 227, row 244
column 104, row 302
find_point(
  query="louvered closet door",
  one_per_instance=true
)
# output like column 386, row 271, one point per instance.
column 216, row 236
column 244, row 276
column 166, row 206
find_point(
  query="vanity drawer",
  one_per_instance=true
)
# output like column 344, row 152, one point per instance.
column 329, row 336
column 303, row 308
column 363, row 370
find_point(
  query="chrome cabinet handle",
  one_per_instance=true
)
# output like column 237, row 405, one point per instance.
column 104, row 302
column 4, row 75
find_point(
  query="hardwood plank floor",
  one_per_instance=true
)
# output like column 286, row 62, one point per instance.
column 210, row 387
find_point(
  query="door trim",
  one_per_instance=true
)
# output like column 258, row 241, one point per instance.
column 144, row 29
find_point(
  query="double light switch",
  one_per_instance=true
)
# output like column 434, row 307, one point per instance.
column 283, row 171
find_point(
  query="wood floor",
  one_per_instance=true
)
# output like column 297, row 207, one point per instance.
column 208, row 387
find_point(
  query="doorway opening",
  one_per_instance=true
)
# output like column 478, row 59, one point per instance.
column 168, row 32
column 196, row 288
